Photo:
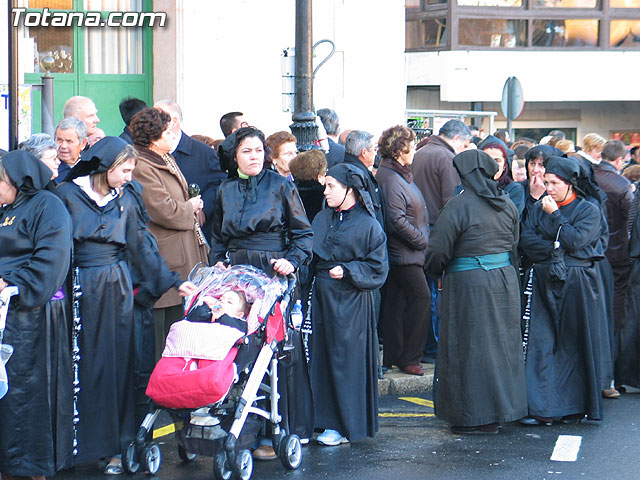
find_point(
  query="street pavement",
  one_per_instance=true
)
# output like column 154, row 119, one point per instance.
column 413, row 444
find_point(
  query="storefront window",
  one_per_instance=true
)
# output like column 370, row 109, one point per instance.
column 565, row 33
column 494, row 33
column 624, row 33
column 431, row 32
column 566, row 3
column 624, row 3
column 50, row 4
column 490, row 3
column 56, row 42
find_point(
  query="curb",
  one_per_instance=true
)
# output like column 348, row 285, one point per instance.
column 397, row 382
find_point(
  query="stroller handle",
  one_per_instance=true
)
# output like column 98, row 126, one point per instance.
column 291, row 285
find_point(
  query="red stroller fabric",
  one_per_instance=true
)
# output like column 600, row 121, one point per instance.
column 174, row 385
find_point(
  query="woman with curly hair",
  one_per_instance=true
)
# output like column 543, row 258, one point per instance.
column 405, row 305
column 173, row 214
column 283, row 149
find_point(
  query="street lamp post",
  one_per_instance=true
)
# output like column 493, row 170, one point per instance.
column 13, row 78
column 304, row 126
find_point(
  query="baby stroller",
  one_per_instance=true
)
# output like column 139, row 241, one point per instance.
column 233, row 418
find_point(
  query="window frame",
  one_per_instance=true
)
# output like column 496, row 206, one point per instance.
column 529, row 12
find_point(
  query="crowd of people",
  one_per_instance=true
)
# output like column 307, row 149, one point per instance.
column 512, row 264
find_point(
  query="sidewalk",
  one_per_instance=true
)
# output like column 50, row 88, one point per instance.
column 399, row 383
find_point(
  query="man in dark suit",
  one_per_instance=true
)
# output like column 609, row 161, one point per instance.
column 128, row 108
column 198, row 162
column 331, row 124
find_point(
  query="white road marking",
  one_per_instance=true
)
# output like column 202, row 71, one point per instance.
column 567, row 448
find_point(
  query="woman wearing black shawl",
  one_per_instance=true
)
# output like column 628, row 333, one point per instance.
column 35, row 245
column 350, row 262
column 480, row 373
column 260, row 220
column 563, row 353
column 108, row 231
column 497, row 149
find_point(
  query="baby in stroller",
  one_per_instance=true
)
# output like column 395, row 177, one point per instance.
column 217, row 377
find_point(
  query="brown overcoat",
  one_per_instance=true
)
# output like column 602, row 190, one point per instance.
column 173, row 223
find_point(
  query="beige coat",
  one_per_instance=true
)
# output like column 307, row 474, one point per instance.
column 173, row 222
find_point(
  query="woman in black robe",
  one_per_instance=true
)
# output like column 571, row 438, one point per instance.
column 35, row 246
column 259, row 220
column 479, row 373
column 350, row 262
column 107, row 231
column 628, row 361
column 563, row 353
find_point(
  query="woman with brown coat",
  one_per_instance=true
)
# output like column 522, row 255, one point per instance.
column 405, row 304
column 173, row 214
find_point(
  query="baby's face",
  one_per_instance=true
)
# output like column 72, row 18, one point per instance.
column 232, row 304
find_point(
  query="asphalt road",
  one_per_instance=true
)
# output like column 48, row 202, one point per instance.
column 413, row 444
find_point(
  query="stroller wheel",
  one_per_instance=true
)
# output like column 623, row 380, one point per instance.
column 184, row 455
column 243, row 466
column 220, row 468
column 291, row 452
column 152, row 457
column 130, row 460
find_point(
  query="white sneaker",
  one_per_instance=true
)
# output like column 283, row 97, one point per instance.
column 331, row 438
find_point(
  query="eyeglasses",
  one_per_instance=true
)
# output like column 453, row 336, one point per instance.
column 243, row 124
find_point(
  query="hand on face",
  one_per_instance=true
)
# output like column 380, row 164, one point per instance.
column 549, row 205
column 536, row 187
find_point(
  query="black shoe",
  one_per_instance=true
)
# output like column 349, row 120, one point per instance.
column 428, row 359
column 572, row 419
column 488, row 429
column 533, row 421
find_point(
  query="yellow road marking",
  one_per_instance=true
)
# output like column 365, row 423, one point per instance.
column 405, row 415
column 418, row 401
column 161, row 432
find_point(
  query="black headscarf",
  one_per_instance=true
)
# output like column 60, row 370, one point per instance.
column 494, row 142
column 476, row 170
column 27, row 172
column 547, row 151
column 98, row 158
column 352, row 177
column 567, row 168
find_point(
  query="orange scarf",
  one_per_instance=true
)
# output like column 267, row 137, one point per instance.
column 568, row 200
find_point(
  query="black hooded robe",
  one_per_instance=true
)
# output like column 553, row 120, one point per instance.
column 35, row 246
column 563, row 364
column 343, row 349
column 480, row 371
column 628, row 361
column 104, row 238
column 256, row 220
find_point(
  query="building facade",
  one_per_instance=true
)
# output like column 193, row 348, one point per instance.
column 576, row 60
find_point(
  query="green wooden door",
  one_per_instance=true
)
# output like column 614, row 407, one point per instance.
column 77, row 72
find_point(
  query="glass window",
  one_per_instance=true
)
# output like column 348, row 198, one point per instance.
column 435, row 2
column 490, row 3
column 565, row 33
column 412, row 5
column 57, row 42
column 624, row 33
column 412, row 34
column 566, row 3
column 113, row 5
column 492, row 33
column 624, row 3
column 50, row 4
column 113, row 50
column 435, row 32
